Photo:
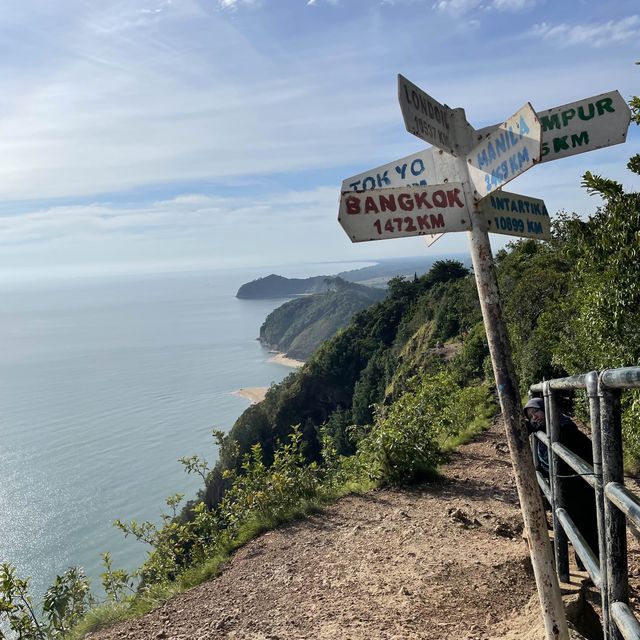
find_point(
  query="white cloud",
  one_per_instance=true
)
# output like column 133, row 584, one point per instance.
column 459, row 8
column 596, row 34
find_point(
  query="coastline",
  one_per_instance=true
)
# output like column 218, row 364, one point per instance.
column 281, row 358
column 253, row 394
column 257, row 394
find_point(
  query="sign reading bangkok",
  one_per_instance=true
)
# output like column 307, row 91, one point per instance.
column 506, row 152
column 403, row 211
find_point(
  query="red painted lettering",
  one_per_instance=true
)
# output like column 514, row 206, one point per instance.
column 370, row 205
column 452, row 197
column 405, row 202
column 437, row 221
column 421, row 201
column 387, row 203
column 409, row 224
column 353, row 204
column 440, row 198
column 423, row 222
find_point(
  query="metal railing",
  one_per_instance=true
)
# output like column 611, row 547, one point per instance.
column 615, row 503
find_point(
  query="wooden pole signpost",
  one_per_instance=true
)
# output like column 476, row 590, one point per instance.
column 456, row 185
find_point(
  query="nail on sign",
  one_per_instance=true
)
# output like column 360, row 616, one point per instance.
column 403, row 211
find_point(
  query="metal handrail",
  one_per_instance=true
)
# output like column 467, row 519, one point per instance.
column 615, row 502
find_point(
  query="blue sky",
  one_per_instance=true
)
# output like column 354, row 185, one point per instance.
column 147, row 135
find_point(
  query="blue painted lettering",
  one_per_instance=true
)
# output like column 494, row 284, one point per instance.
column 417, row 167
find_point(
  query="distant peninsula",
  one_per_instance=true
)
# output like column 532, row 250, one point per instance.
column 376, row 275
column 274, row 286
column 300, row 326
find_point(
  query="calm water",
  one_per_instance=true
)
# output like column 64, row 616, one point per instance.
column 104, row 384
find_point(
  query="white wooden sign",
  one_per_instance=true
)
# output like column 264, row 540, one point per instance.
column 514, row 215
column 416, row 169
column 506, row 152
column 403, row 211
column 585, row 125
column 426, row 118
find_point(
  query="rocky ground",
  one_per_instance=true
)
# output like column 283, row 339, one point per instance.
column 445, row 560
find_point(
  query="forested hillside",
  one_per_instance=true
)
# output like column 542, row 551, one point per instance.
column 300, row 326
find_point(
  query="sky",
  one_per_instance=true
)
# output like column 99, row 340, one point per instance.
column 162, row 135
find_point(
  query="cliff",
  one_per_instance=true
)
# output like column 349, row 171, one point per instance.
column 300, row 326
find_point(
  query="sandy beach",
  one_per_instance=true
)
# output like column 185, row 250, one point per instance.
column 253, row 394
column 280, row 358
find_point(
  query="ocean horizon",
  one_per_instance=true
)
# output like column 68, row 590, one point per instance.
column 107, row 381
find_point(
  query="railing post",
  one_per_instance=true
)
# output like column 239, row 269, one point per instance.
column 596, row 443
column 615, row 521
column 561, row 546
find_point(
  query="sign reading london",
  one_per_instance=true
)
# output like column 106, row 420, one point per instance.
column 427, row 118
column 506, row 152
column 403, row 211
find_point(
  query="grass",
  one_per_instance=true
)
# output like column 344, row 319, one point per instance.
column 479, row 424
column 108, row 614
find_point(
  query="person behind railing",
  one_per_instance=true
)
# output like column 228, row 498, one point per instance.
column 579, row 497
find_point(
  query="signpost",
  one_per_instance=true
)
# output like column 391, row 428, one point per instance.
column 403, row 211
column 460, row 185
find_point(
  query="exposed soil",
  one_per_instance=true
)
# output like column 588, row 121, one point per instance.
column 446, row 560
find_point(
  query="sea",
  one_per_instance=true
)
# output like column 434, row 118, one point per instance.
column 104, row 383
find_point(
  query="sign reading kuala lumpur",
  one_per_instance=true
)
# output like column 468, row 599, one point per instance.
column 403, row 211
column 514, row 215
column 426, row 118
column 585, row 125
column 506, row 152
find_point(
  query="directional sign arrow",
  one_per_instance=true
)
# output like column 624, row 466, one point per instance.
column 514, row 215
column 403, row 211
column 417, row 169
column 426, row 118
column 506, row 152
column 585, row 125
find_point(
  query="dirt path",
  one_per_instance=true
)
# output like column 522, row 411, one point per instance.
column 442, row 561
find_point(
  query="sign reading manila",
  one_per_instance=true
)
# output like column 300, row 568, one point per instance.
column 585, row 125
column 506, row 152
column 403, row 211
column 514, row 215
column 427, row 118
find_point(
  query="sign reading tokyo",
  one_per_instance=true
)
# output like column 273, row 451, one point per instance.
column 585, row 125
column 515, row 215
column 427, row 118
column 416, row 169
column 506, row 152
column 403, row 211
